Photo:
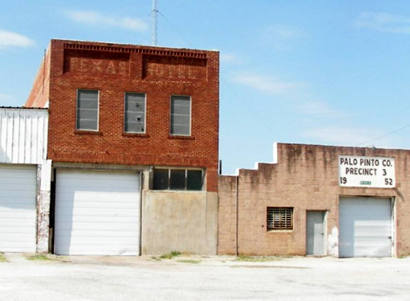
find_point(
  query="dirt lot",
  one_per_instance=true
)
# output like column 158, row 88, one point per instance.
column 202, row 278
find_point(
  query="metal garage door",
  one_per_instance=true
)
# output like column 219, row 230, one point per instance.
column 17, row 208
column 97, row 212
column 365, row 227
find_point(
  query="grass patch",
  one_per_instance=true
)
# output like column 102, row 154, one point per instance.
column 3, row 258
column 155, row 258
column 192, row 261
column 170, row 255
column 39, row 257
column 257, row 258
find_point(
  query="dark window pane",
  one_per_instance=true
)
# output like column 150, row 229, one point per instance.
column 161, row 179
column 177, row 179
column 194, row 180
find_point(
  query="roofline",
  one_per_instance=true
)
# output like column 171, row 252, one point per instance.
column 23, row 108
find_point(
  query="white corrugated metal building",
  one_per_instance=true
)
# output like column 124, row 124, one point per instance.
column 24, row 180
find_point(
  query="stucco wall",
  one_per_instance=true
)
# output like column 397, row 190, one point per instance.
column 305, row 177
column 180, row 221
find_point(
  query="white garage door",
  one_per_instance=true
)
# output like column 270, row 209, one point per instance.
column 17, row 208
column 97, row 212
column 365, row 227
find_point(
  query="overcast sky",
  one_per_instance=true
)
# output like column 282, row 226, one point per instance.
column 317, row 72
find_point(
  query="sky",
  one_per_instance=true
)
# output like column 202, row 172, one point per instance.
column 314, row 72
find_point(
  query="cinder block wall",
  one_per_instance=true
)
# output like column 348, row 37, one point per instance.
column 306, row 178
column 114, row 69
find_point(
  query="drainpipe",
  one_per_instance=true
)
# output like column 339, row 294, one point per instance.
column 237, row 214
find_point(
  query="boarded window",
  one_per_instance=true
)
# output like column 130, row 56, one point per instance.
column 181, row 115
column 279, row 218
column 134, row 113
column 87, row 110
column 178, row 179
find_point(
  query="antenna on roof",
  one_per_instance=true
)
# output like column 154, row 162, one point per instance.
column 154, row 22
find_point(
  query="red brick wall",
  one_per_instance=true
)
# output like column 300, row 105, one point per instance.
column 39, row 94
column 115, row 69
column 306, row 178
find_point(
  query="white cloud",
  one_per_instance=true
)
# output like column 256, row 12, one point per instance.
column 319, row 109
column 265, row 84
column 281, row 37
column 346, row 136
column 96, row 18
column 384, row 22
column 13, row 39
column 229, row 58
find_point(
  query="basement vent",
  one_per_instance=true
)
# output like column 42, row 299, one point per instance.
column 279, row 218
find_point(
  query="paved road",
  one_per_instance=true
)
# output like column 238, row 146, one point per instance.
column 216, row 278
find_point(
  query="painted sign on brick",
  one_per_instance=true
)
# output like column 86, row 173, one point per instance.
column 358, row 171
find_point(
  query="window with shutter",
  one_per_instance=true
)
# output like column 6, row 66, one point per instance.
column 181, row 115
column 87, row 110
column 279, row 218
column 134, row 113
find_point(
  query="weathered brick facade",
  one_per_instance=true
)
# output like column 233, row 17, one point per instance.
column 114, row 69
column 305, row 177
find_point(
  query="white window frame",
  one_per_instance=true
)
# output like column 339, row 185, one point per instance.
column 145, row 113
column 190, row 116
column 98, row 110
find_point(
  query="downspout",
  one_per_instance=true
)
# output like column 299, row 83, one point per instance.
column 237, row 215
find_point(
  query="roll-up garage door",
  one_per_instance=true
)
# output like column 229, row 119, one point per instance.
column 365, row 227
column 97, row 212
column 17, row 208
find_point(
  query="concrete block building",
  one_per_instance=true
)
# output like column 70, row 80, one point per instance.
column 133, row 140
column 318, row 200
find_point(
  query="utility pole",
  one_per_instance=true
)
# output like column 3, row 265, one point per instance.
column 154, row 22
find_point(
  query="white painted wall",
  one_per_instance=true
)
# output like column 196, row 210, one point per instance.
column 23, row 135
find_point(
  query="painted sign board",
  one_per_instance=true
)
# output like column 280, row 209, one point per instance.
column 358, row 171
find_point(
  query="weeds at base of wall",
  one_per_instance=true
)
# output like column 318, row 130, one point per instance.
column 41, row 257
column 3, row 258
column 170, row 255
column 258, row 258
column 192, row 261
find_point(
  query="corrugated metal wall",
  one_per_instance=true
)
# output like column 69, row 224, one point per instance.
column 23, row 135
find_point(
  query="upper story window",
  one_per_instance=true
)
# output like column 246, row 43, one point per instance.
column 134, row 113
column 87, row 110
column 181, row 115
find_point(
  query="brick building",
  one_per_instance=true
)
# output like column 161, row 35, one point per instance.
column 133, row 137
column 318, row 200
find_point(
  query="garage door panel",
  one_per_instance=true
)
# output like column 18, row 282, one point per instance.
column 97, row 212
column 17, row 208
column 365, row 227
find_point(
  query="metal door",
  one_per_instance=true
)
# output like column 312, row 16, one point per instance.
column 365, row 227
column 315, row 233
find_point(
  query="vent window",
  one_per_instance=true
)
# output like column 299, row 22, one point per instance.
column 279, row 218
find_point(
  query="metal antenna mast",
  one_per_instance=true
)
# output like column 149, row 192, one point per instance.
column 154, row 22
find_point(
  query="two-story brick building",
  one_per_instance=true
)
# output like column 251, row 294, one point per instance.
column 133, row 137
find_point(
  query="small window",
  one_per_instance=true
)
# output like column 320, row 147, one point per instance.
column 134, row 113
column 181, row 115
column 279, row 218
column 87, row 110
column 178, row 179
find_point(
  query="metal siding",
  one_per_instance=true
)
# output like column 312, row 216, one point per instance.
column 23, row 136
column 97, row 212
column 17, row 208
column 365, row 227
